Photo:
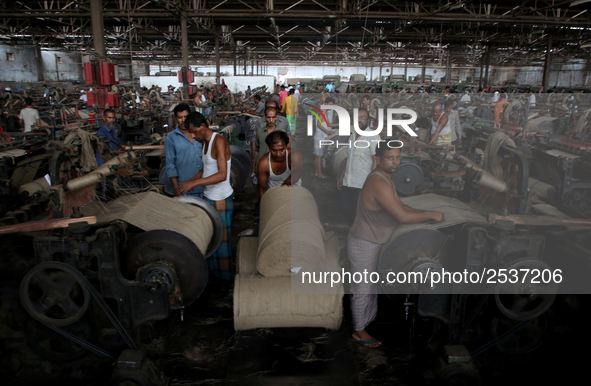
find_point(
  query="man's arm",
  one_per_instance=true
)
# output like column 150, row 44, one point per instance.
column 442, row 124
column 220, row 147
column 385, row 197
column 171, row 171
column 295, row 165
column 22, row 124
column 263, row 175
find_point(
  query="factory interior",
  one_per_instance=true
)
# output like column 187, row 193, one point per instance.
column 148, row 237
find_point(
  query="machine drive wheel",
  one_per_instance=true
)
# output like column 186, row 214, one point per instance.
column 54, row 293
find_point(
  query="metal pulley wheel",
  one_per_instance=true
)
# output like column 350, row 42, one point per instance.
column 214, row 216
column 56, row 347
column 165, row 247
column 54, row 293
column 418, row 250
column 524, row 300
column 407, row 178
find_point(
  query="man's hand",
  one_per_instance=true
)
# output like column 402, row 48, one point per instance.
column 287, row 182
column 437, row 217
column 187, row 186
column 340, row 183
column 177, row 192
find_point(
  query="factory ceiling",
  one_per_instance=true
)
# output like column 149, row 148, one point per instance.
column 310, row 32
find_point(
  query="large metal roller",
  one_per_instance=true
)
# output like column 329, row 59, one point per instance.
column 422, row 247
column 240, row 169
column 179, row 234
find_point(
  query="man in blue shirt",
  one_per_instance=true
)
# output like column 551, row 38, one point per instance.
column 183, row 153
column 109, row 130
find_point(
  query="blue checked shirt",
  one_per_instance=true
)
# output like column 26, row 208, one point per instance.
column 183, row 157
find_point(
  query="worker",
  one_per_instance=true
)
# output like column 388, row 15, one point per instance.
column 215, row 178
column 183, row 153
column 290, row 108
column 378, row 214
column 281, row 122
column 29, row 116
column 109, row 131
column 440, row 126
column 260, row 147
column 454, row 122
column 282, row 95
column 358, row 165
column 281, row 165
column 499, row 108
column 323, row 130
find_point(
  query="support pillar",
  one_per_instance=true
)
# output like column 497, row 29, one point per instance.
column 487, row 67
column 481, row 71
column 98, row 27
column 547, row 64
column 39, row 63
column 185, row 54
column 234, row 57
column 423, row 69
column 448, row 69
column 406, row 69
column 217, row 58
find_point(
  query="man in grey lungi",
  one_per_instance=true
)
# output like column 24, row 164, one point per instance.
column 379, row 211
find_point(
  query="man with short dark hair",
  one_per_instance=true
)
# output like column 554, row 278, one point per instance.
column 183, row 153
column 260, row 146
column 109, row 130
column 281, row 165
column 378, row 214
column 199, row 100
column 281, row 122
column 282, row 95
column 29, row 116
column 215, row 177
column 440, row 126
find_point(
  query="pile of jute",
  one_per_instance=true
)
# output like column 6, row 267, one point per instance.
column 269, row 291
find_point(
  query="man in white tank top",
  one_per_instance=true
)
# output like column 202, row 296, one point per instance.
column 440, row 126
column 215, row 177
column 281, row 165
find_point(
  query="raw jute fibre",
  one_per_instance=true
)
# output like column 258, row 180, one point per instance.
column 290, row 232
column 150, row 211
column 270, row 302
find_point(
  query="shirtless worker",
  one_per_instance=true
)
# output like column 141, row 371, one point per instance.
column 379, row 212
column 281, row 165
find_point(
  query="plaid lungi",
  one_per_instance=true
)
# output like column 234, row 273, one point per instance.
column 364, row 295
column 221, row 262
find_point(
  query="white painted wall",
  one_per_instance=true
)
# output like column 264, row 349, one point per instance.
column 234, row 83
